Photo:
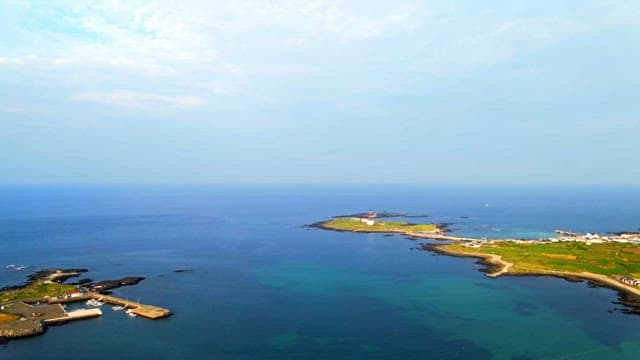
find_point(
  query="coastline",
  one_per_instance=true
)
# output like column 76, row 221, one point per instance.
column 502, row 267
column 29, row 309
column 497, row 266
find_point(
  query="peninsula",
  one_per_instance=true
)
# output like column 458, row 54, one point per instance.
column 26, row 310
column 612, row 261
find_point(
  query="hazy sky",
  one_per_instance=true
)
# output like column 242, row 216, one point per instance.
column 320, row 91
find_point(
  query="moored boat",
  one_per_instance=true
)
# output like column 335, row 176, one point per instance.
column 94, row 302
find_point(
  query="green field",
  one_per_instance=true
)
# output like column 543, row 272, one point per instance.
column 350, row 224
column 605, row 259
column 36, row 290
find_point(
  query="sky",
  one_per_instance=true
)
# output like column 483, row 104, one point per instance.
column 320, row 92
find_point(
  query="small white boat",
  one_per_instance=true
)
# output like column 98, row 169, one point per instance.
column 117, row 308
column 130, row 313
column 94, row 302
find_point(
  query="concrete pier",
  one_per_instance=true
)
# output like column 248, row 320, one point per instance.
column 75, row 315
column 144, row 310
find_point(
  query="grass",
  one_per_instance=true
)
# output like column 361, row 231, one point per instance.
column 606, row 259
column 38, row 289
column 350, row 224
column 5, row 318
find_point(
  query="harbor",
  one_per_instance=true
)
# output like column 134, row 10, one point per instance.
column 27, row 310
column 96, row 299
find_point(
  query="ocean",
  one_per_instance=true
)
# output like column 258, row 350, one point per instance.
column 262, row 285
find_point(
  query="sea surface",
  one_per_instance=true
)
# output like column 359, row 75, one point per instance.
column 262, row 285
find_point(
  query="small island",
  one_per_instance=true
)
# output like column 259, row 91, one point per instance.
column 27, row 309
column 368, row 224
column 612, row 261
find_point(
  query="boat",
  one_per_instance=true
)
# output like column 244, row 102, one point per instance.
column 117, row 308
column 94, row 302
column 130, row 313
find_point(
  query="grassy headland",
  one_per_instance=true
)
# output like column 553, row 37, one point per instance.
column 36, row 290
column 610, row 259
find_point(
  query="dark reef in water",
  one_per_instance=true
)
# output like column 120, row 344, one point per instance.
column 114, row 284
column 82, row 282
column 524, row 308
column 62, row 275
column 630, row 302
column 43, row 274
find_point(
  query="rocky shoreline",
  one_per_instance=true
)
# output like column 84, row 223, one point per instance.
column 61, row 275
column 31, row 324
column 22, row 328
column 54, row 275
column 106, row 285
column 495, row 267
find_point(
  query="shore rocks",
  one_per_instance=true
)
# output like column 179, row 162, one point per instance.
column 57, row 275
column 82, row 282
column 114, row 284
column 21, row 328
column 50, row 273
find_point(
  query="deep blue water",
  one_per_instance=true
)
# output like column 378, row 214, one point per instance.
column 265, row 286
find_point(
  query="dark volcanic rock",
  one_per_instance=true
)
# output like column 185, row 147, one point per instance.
column 114, row 284
column 82, row 282
column 42, row 274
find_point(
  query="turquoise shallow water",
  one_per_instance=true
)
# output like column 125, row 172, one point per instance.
column 264, row 286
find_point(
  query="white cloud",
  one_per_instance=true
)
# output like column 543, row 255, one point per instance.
column 215, row 48
column 19, row 60
column 135, row 99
